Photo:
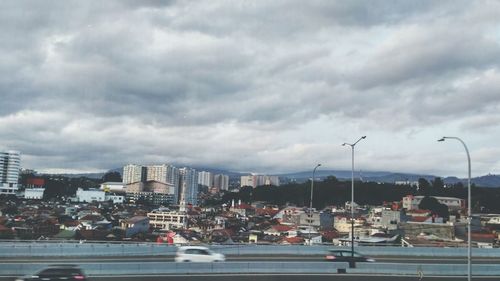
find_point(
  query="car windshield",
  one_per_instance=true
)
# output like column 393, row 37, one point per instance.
column 345, row 253
column 197, row 251
column 59, row 272
column 141, row 137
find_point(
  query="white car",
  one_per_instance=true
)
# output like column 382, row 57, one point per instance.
column 197, row 254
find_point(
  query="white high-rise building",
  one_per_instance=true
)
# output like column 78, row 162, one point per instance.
column 134, row 173
column 165, row 174
column 248, row 181
column 189, row 186
column 157, row 173
column 259, row 180
column 206, row 179
column 272, row 180
column 10, row 166
column 221, row 182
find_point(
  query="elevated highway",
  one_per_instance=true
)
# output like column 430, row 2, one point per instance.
column 105, row 260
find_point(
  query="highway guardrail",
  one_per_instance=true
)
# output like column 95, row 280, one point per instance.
column 40, row 249
column 150, row 268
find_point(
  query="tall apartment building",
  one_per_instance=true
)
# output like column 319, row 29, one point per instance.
column 217, row 181
column 10, row 166
column 248, row 181
column 166, row 219
column 156, row 173
column 188, row 186
column 221, row 182
column 259, row 180
column 205, row 179
column 165, row 174
column 134, row 173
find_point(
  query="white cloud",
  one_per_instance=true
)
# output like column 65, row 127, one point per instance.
column 258, row 86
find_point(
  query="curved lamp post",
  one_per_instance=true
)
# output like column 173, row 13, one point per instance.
column 469, row 214
column 311, row 203
column 352, row 145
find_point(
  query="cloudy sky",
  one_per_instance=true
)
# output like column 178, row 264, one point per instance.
column 254, row 86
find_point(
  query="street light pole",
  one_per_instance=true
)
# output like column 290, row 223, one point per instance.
column 352, row 191
column 311, row 203
column 469, row 213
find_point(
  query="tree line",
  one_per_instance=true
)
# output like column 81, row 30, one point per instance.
column 332, row 192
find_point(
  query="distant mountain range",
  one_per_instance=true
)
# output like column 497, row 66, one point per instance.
column 390, row 177
column 380, row 176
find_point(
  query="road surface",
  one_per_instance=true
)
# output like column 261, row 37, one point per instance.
column 385, row 259
column 275, row 277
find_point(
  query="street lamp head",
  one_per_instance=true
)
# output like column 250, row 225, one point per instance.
column 442, row 139
column 344, row 144
column 319, row 164
column 363, row 137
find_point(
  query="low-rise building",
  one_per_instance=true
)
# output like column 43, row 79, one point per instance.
column 390, row 219
column 310, row 218
column 91, row 195
column 289, row 215
column 34, row 193
column 166, row 219
column 135, row 225
column 411, row 202
column 343, row 223
column 116, row 199
column 154, row 192
column 118, row 187
column 279, row 230
column 96, row 195
column 243, row 209
column 439, row 230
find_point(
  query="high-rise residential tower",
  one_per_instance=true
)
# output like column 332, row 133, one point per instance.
column 165, row 174
column 259, row 180
column 188, row 186
column 134, row 173
column 221, row 182
column 10, row 166
column 205, row 179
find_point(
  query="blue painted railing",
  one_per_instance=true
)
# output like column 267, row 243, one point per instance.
column 137, row 268
column 20, row 249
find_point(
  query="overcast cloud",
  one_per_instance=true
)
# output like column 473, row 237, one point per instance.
column 255, row 86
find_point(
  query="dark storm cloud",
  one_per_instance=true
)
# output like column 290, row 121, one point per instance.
column 93, row 80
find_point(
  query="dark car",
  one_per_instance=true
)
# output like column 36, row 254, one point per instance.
column 57, row 272
column 347, row 256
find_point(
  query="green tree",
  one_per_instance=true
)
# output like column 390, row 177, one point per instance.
column 432, row 204
column 437, row 183
column 331, row 179
column 245, row 194
column 112, row 176
column 424, row 187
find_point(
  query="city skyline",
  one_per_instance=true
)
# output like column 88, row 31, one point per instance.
column 263, row 87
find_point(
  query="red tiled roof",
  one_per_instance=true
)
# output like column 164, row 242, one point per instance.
column 419, row 219
column 226, row 232
column 483, row 235
column 71, row 223
column 91, row 218
column 136, row 219
column 266, row 211
column 281, row 227
column 4, row 228
column 294, row 240
column 243, row 206
column 418, row 211
column 330, row 235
